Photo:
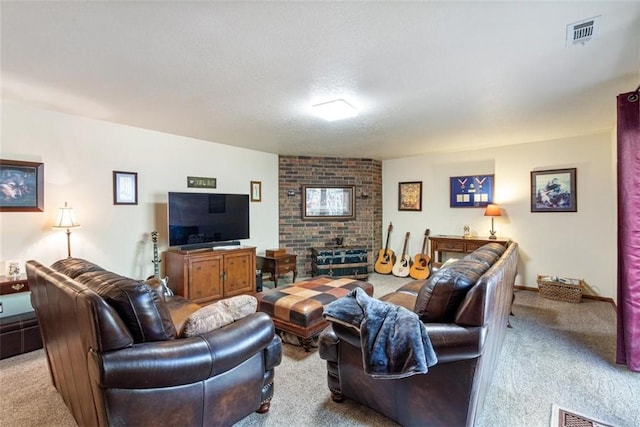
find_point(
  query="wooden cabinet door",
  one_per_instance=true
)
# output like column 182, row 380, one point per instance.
column 205, row 278
column 240, row 271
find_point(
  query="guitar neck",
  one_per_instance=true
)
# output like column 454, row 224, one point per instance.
column 156, row 261
column 424, row 246
column 404, row 248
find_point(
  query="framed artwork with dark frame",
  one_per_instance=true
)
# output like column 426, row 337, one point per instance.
column 326, row 202
column 473, row 191
column 410, row 196
column 256, row 191
column 125, row 188
column 554, row 190
column 21, row 186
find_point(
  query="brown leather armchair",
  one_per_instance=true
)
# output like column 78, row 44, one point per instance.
column 466, row 325
column 116, row 358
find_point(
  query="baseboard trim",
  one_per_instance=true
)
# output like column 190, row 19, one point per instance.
column 586, row 296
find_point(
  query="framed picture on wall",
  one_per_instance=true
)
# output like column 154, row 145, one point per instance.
column 471, row 191
column 325, row 202
column 554, row 190
column 410, row 196
column 256, row 191
column 125, row 188
column 21, row 186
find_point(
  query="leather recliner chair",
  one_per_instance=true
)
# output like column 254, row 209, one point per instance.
column 467, row 338
column 116, row 359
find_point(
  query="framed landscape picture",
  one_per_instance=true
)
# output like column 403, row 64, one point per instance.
column 322, row 202
column 21, row 186
column 554, row 191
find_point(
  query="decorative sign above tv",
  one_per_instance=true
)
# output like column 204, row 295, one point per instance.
column 200, row 182
column 471, row 191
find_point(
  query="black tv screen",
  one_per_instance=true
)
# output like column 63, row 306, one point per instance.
column 204, row 219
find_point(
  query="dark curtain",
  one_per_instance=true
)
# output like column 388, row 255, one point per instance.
column 628, row 351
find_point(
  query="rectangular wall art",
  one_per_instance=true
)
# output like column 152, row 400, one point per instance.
column 125, row 188
column 554, row 191
column 321, row 202
column 21, row 186
column 410, row 196
column 471, row 191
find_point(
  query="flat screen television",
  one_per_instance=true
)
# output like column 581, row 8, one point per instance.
column 201, row 220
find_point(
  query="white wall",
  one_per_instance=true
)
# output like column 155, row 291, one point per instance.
column 79, row 156
column 578, row 245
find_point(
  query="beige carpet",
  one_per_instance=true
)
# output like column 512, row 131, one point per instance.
column 556, row 353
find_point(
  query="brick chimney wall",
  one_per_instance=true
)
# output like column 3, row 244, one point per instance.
column 298, row 235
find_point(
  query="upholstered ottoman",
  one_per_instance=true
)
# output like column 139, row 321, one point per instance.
column 297, row 308
column 19, row 334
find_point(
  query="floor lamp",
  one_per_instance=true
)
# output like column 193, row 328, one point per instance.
column 66, row 219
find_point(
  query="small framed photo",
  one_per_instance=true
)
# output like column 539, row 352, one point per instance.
column 125, row 188
column 554, row 191
column 21, row 186
column 410, row 196
column 325, row 202
column 13, row 269
column 256, row 191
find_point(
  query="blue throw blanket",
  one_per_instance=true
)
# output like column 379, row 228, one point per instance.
column 394, row 341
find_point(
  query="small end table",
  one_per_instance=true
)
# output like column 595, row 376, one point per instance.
column 277, row 266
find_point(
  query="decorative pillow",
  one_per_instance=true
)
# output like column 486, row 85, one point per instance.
column 240, row 306
column 219, row 314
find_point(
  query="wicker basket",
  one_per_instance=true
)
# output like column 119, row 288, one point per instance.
column 560, row 288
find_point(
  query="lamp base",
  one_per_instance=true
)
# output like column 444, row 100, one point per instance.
column 492, row 232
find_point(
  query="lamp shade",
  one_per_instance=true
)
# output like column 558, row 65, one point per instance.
column 492, row 210
column 66, row 218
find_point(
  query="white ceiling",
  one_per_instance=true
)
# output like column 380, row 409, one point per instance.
column 426, row 76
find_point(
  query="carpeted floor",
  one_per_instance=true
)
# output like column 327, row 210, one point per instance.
column 557, row 352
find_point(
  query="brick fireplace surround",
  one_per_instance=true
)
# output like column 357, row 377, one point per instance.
column 298, row 236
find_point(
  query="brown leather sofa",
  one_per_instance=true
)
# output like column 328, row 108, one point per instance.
column 465, row 308
column 116, row 356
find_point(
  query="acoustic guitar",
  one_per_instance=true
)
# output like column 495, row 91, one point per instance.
column 156, row 266
column 386, row 257
column 403, row 265
column 420, row 269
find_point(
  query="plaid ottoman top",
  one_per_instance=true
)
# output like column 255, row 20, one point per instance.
column 302, row 303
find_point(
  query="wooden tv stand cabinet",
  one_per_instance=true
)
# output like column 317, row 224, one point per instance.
column 207, row 275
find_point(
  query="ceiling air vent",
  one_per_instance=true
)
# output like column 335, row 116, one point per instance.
column 581, row 32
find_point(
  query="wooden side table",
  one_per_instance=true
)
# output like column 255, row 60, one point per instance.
column 13, row 285
column 459, row 244
column 277, row 266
